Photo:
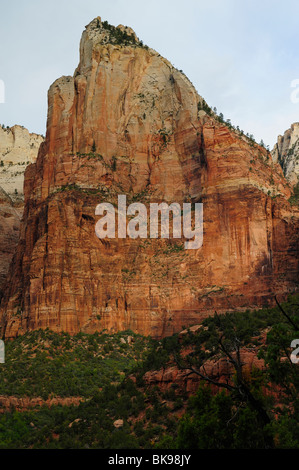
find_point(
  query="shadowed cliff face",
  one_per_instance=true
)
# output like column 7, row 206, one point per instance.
column 9, row 234
column 128, row 123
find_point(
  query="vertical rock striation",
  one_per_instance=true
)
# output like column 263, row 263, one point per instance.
column 129, row 123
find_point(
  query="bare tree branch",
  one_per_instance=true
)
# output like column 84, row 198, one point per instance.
column 286, row 315
column 209, row 379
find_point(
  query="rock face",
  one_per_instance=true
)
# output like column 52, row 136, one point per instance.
column 219, row 370
column 10, row 218
column 129, row 123
column 18, row 148
column 27, row 403
column 286, row 153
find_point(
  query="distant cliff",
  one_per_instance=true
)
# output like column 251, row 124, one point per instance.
column 130, row 123
column 286, row 153
column 18, row 148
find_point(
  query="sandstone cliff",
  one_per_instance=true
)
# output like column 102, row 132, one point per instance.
column 18, row 148
column 129, row 123
column 10, row 218
column 286, row 153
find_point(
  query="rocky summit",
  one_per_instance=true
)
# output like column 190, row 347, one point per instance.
column 128, row 122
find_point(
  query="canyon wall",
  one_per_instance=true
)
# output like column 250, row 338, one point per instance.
column 130, row 123
column 18, row 148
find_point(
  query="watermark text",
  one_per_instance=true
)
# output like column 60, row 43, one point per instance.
column 295, row 93
column 186, row 222
column 2, row 352
column 295, row 353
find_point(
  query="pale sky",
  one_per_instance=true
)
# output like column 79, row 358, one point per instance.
column 241, row 56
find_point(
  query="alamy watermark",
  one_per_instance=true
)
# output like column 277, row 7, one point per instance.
column 295, row 93
column 295, row 353
column 2, row 92
column 138, row 226
column 2, row 352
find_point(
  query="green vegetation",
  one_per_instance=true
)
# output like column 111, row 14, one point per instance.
column 253, row 408
column 271, row 181
column 203, row 106
column 245, row 412
column 119, row 37
column 214, row 422
column 68, row 187
column 165, row 137
column 97, row 157
column 174, row 248
column 43, row 363
column 99, row 191
column 291, row 151
column 294, row 199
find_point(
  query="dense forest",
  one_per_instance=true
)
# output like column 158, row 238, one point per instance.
column 247, row 407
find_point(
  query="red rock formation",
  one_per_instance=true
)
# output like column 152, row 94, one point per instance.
column 26, row 403
column 218, row 369
column 129, row 123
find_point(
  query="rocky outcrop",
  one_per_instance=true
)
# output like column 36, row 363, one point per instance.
column 129, row 123
column 7, row 403
column 18, row 148
column 217, row 369
column 286, row 153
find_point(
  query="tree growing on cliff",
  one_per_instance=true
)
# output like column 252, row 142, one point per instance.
column 243, row 390
column 217, row 421
column 249, row 410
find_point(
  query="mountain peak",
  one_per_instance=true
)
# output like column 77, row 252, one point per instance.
column 99, row 36
column 130, row 124
column 105, row 33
